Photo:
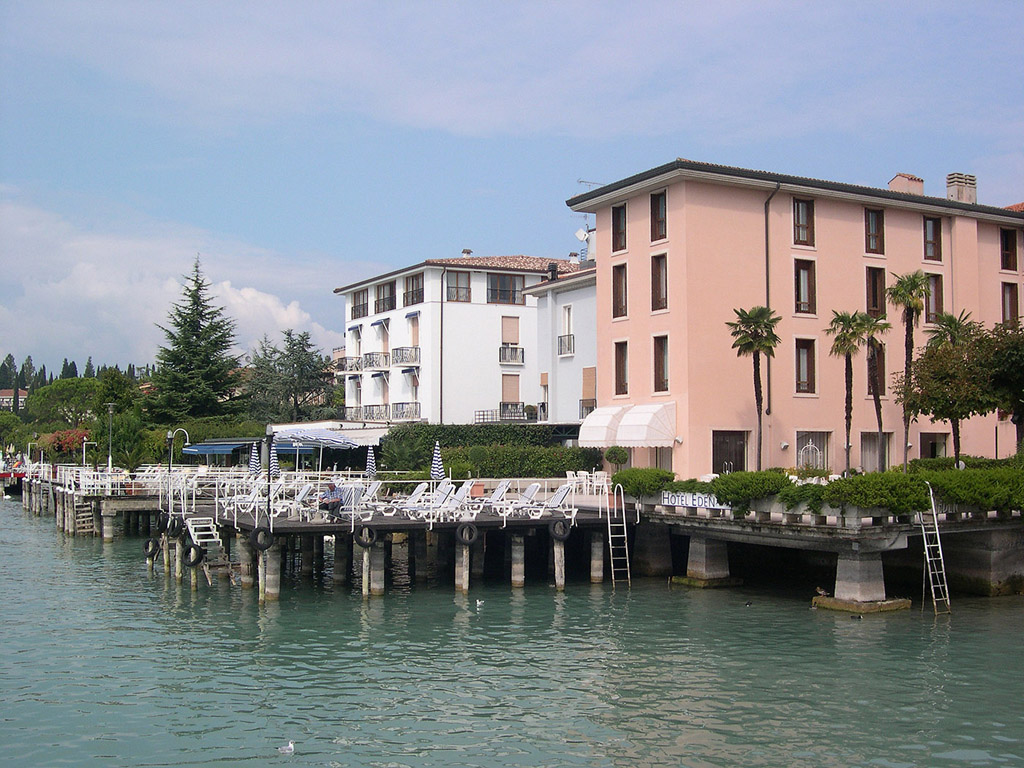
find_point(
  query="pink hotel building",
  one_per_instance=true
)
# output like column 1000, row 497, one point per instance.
column 680, row 246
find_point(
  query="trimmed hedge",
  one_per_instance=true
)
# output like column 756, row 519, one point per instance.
column 523, row 460
column 738, row 489
column 899, row 493
column 811, row 494
column 642, row 481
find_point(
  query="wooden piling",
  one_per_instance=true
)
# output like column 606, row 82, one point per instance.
column 342, row 557
column 518, row 560
column 596, row 557
column 558, row 551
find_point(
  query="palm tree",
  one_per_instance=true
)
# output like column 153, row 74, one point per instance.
column 953, row 330
column 908, row 293
column 873, row 327
column 753, row 334
column 847, row 330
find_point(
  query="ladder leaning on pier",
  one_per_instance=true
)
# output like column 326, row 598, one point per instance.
column 933, row 557
column 618, row 546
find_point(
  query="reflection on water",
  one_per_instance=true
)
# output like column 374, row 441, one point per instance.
column 104, row 664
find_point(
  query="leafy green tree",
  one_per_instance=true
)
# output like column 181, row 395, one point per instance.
column 262, row 382
column 196, row 373
column 12, row 431
column 873, row 327
column 115, row 387
column 847, row 332
column 293, row 383
column 753, row 334
column 908, row 293
column 1007, row 372
column 66, row 401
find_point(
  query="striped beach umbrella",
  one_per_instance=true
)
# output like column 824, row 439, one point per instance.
column 371, row 463
column 275, row 468
column 436, row 468
column 255, row 465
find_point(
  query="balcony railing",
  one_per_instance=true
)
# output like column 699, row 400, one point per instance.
column 542, row 411
column 360, row 310
column 376, row 361
column 405, row 356
column 350, row 364
column 505, row 296
column 353, row 413
column 587, row 407
column 376, row 412
column 405, row 411
column 567, row 344
column 385, row 304
column 456, row 293
column 412, row 297
column 504, row 412
column 511, row 355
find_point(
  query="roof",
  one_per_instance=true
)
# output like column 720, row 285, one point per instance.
column 592, row 199
column 1018, row 208
column 519, row 263
column 585, row 275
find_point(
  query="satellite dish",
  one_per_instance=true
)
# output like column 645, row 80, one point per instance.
column 581, row 235
column 961, row 465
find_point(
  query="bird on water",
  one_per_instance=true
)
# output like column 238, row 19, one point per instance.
column 287, row 749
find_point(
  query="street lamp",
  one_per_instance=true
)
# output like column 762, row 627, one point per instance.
column 85, row 443
column 28, row 450
column 110, row 437
column 170, row 445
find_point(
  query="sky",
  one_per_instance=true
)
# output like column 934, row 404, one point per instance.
column 298, row 147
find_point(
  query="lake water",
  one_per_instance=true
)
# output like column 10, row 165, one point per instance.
column 102, row 664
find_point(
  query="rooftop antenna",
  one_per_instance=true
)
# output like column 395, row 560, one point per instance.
column 589, row 184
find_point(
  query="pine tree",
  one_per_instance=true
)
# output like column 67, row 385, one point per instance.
column 28, row 372
column 8, row 370
column 196, row 374
column 90, row 372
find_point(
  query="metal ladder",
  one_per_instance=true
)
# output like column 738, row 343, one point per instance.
column 933, row 557
column 203, row 532
column 618, row 545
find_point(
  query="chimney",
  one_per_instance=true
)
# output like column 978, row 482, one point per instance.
column 907, row 183
column 962, row 187
column 552, row 271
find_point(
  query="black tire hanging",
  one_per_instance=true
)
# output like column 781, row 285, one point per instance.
column 161, row 522
column 559, row 529
column 261, row 538
column 175, row 526
column 466, row 533
column 194, row 555
column 151, row 547
column 365, row 536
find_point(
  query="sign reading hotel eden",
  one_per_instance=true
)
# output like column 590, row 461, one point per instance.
column 691, row 499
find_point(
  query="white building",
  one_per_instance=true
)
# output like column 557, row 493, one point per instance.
column 567, row 345
column 446, row 341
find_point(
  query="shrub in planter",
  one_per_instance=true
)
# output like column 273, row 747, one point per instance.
column 983, row 489
column 739, row 488
column 616, row 455
column 899, row 493
column 811, row 494
column 691, row 486
column 642, row 481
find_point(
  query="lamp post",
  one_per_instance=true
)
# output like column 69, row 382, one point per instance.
column 170, row 445
column 28, row 449
column 110, row 437
column 85, row 443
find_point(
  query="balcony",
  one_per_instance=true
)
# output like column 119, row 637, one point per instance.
column 352, row 413
column 376, row 412
column 405, row 411
column 376, row 361
column 412, row 297
column 456, row 293
column 384, row 304
column 360, row 310
column 509, row 355
column 504, row 412
column 587, row 407
column 567, row 344
column 405, row 356
column 349, row 364
column 505, row 296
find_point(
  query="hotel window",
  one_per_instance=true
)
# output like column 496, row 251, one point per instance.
column 458, row 286
column 618, row 227
column 1009, row 302
column 812, row 450
column 880, row 357
column 803, row 222
column 933, row 304
column 413, row 290
column 659, row 222
column 874, row 230
column 619, row 290
column 659, row 282
column 385, row 297
column 505, row 289
column 876, row 291
column 1008, row 249
column 805, row 365
column 361, row 303
column 932, row 239
column 803, row 272
column 661, row 363
column 621, row 368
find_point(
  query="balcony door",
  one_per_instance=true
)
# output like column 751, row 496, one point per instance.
column 728, row 451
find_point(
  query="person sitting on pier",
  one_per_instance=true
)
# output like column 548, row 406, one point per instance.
column 330, row 500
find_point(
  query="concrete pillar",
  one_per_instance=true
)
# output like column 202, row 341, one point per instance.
column 859, row 577
column 179, row 560
column 377, row 555
column 558, row 550
column 272, row 584
column 307, row 554
column 479, row 554
column 366, row 571
column 146, row 519
column 318, row 553
column 652, row 550
column 518, row 560
column 342, row 557
column 596, row 557
column 708, row 559
column 419, row 555
column 261, row 574
column 108, row 527
column 462, row 568
column 245, row 564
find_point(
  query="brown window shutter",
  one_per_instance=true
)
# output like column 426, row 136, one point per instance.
column 510, row 330
column 589, row 384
